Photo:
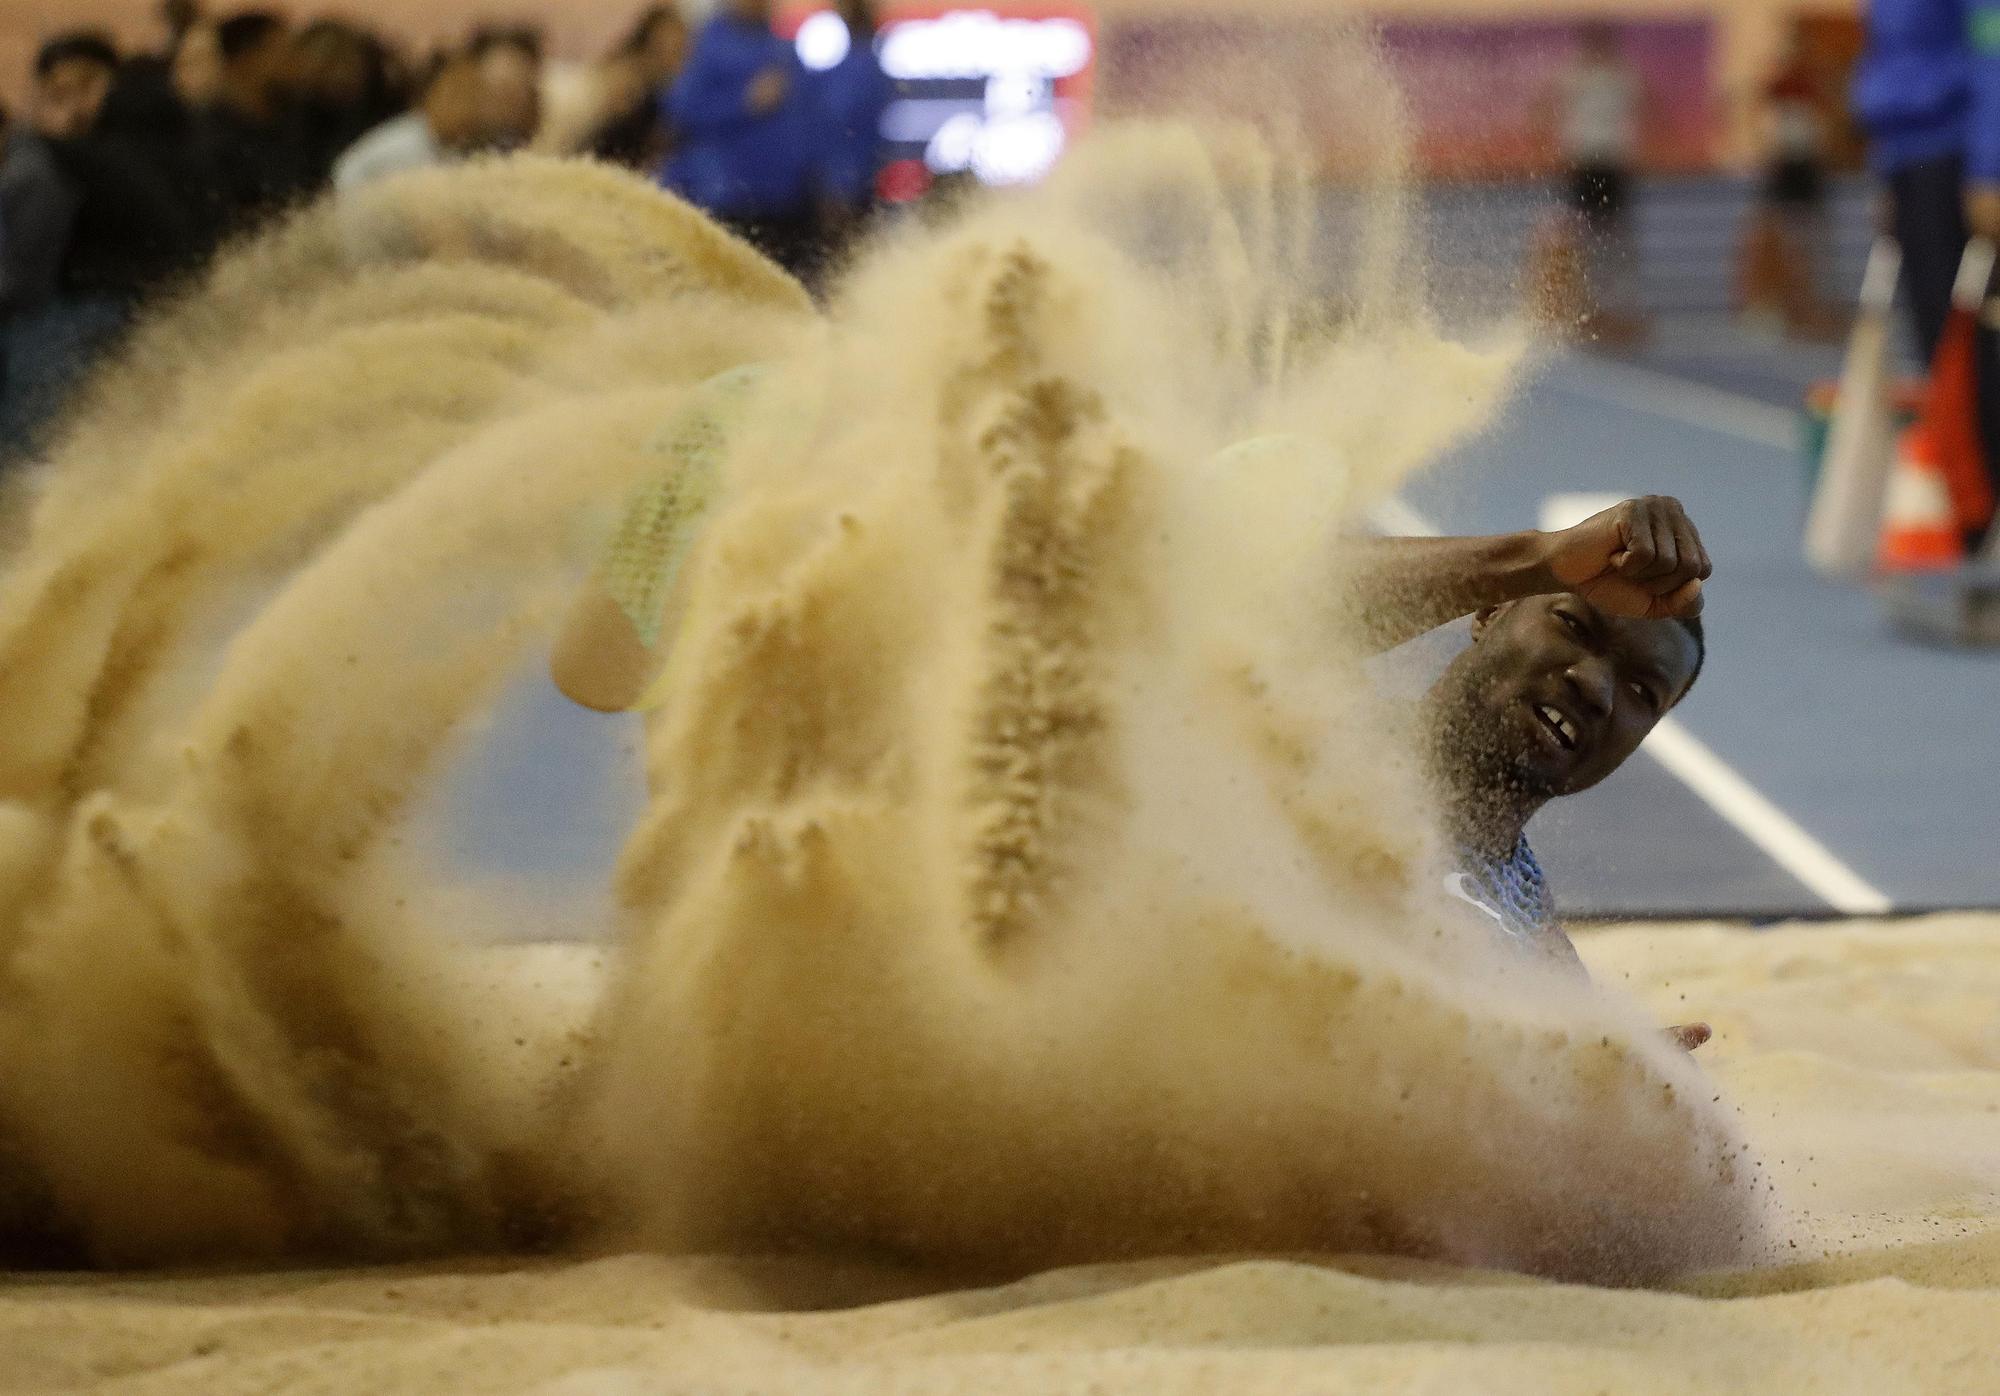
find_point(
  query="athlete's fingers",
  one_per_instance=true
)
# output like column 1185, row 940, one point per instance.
column 1707, row 569
column 1651, row 556
column 1666, row 569
column 1687, row 540
column 1682, row 602
column 1617, row 596
column 1635, row 559
column 1679, row 546
column 1693, row 557
column 1688, row 1036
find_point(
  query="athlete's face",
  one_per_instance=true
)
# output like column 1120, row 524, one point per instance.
column 1554, row 694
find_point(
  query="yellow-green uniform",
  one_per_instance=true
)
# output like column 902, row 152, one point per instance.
column 664, row 516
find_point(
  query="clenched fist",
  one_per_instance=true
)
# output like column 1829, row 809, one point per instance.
column 1641, row 559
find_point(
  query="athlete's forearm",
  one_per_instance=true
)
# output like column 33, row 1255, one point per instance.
column 1398, row 588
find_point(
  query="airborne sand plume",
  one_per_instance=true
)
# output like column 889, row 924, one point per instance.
column 1029, row 875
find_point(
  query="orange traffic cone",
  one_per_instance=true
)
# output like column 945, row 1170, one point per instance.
column 1920, row 530
column 1951, row 403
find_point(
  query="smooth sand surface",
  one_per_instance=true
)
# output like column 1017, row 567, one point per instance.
column 1865, row 1059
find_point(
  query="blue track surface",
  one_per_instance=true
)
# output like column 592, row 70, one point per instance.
column 1886, row 751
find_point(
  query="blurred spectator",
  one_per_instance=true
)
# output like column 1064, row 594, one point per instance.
column 195, row 68
column 510, row 86
column 632, row 131
column 342, row 86
column 1785, row 246
column 445, row 125
column 244, row 134
column 146, row 215
column 1928, row 94
column 38, row 197
column 149, row 76
column 141, row 220
column 1600, row 103
column 851, row 97
column 486, row 97
column 1795, row 175
column 740, row 110
column 178, row 17
column 610, row 109
column 46, row 333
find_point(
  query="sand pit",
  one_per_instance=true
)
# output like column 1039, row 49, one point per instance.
column 1022, row 819
column 1032, row 876
column 1865, row 1055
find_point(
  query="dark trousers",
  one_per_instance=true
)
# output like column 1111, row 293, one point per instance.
column 1930, row 224
column 1601, row 193
column 44, row 355
column 793, row 241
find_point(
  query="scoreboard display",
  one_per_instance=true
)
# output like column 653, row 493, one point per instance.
column 995, row 93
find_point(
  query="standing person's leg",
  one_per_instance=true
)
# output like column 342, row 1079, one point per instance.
column 1797, row 196
column 1929, row 221
column 841, row 229
column 13, row 408
column 790, row 240
column 1590, row 196
column 751, row 230
column 1621, row 235
column 1602, row 195
column 51, row 351
column 800, row 247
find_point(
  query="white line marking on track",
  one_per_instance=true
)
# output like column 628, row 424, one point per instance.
column 1678, row 400
column 1762, row 822
column 1688, row 759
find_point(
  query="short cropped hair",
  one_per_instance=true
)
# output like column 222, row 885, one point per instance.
column 1692, row 624
column 245, row 30
column 650, row 21
column 523, row 38
column 84, row 45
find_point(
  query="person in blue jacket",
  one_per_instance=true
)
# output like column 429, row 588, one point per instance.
column 851, row 97
column 748, row 134
column 1928, row 94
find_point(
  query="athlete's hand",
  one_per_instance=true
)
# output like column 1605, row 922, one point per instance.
column 1641, row 559
column 1689, row 1036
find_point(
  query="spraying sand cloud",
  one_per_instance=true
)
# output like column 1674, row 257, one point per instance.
column 1069, row 902
column 217, row 1036
column 1029, row 875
